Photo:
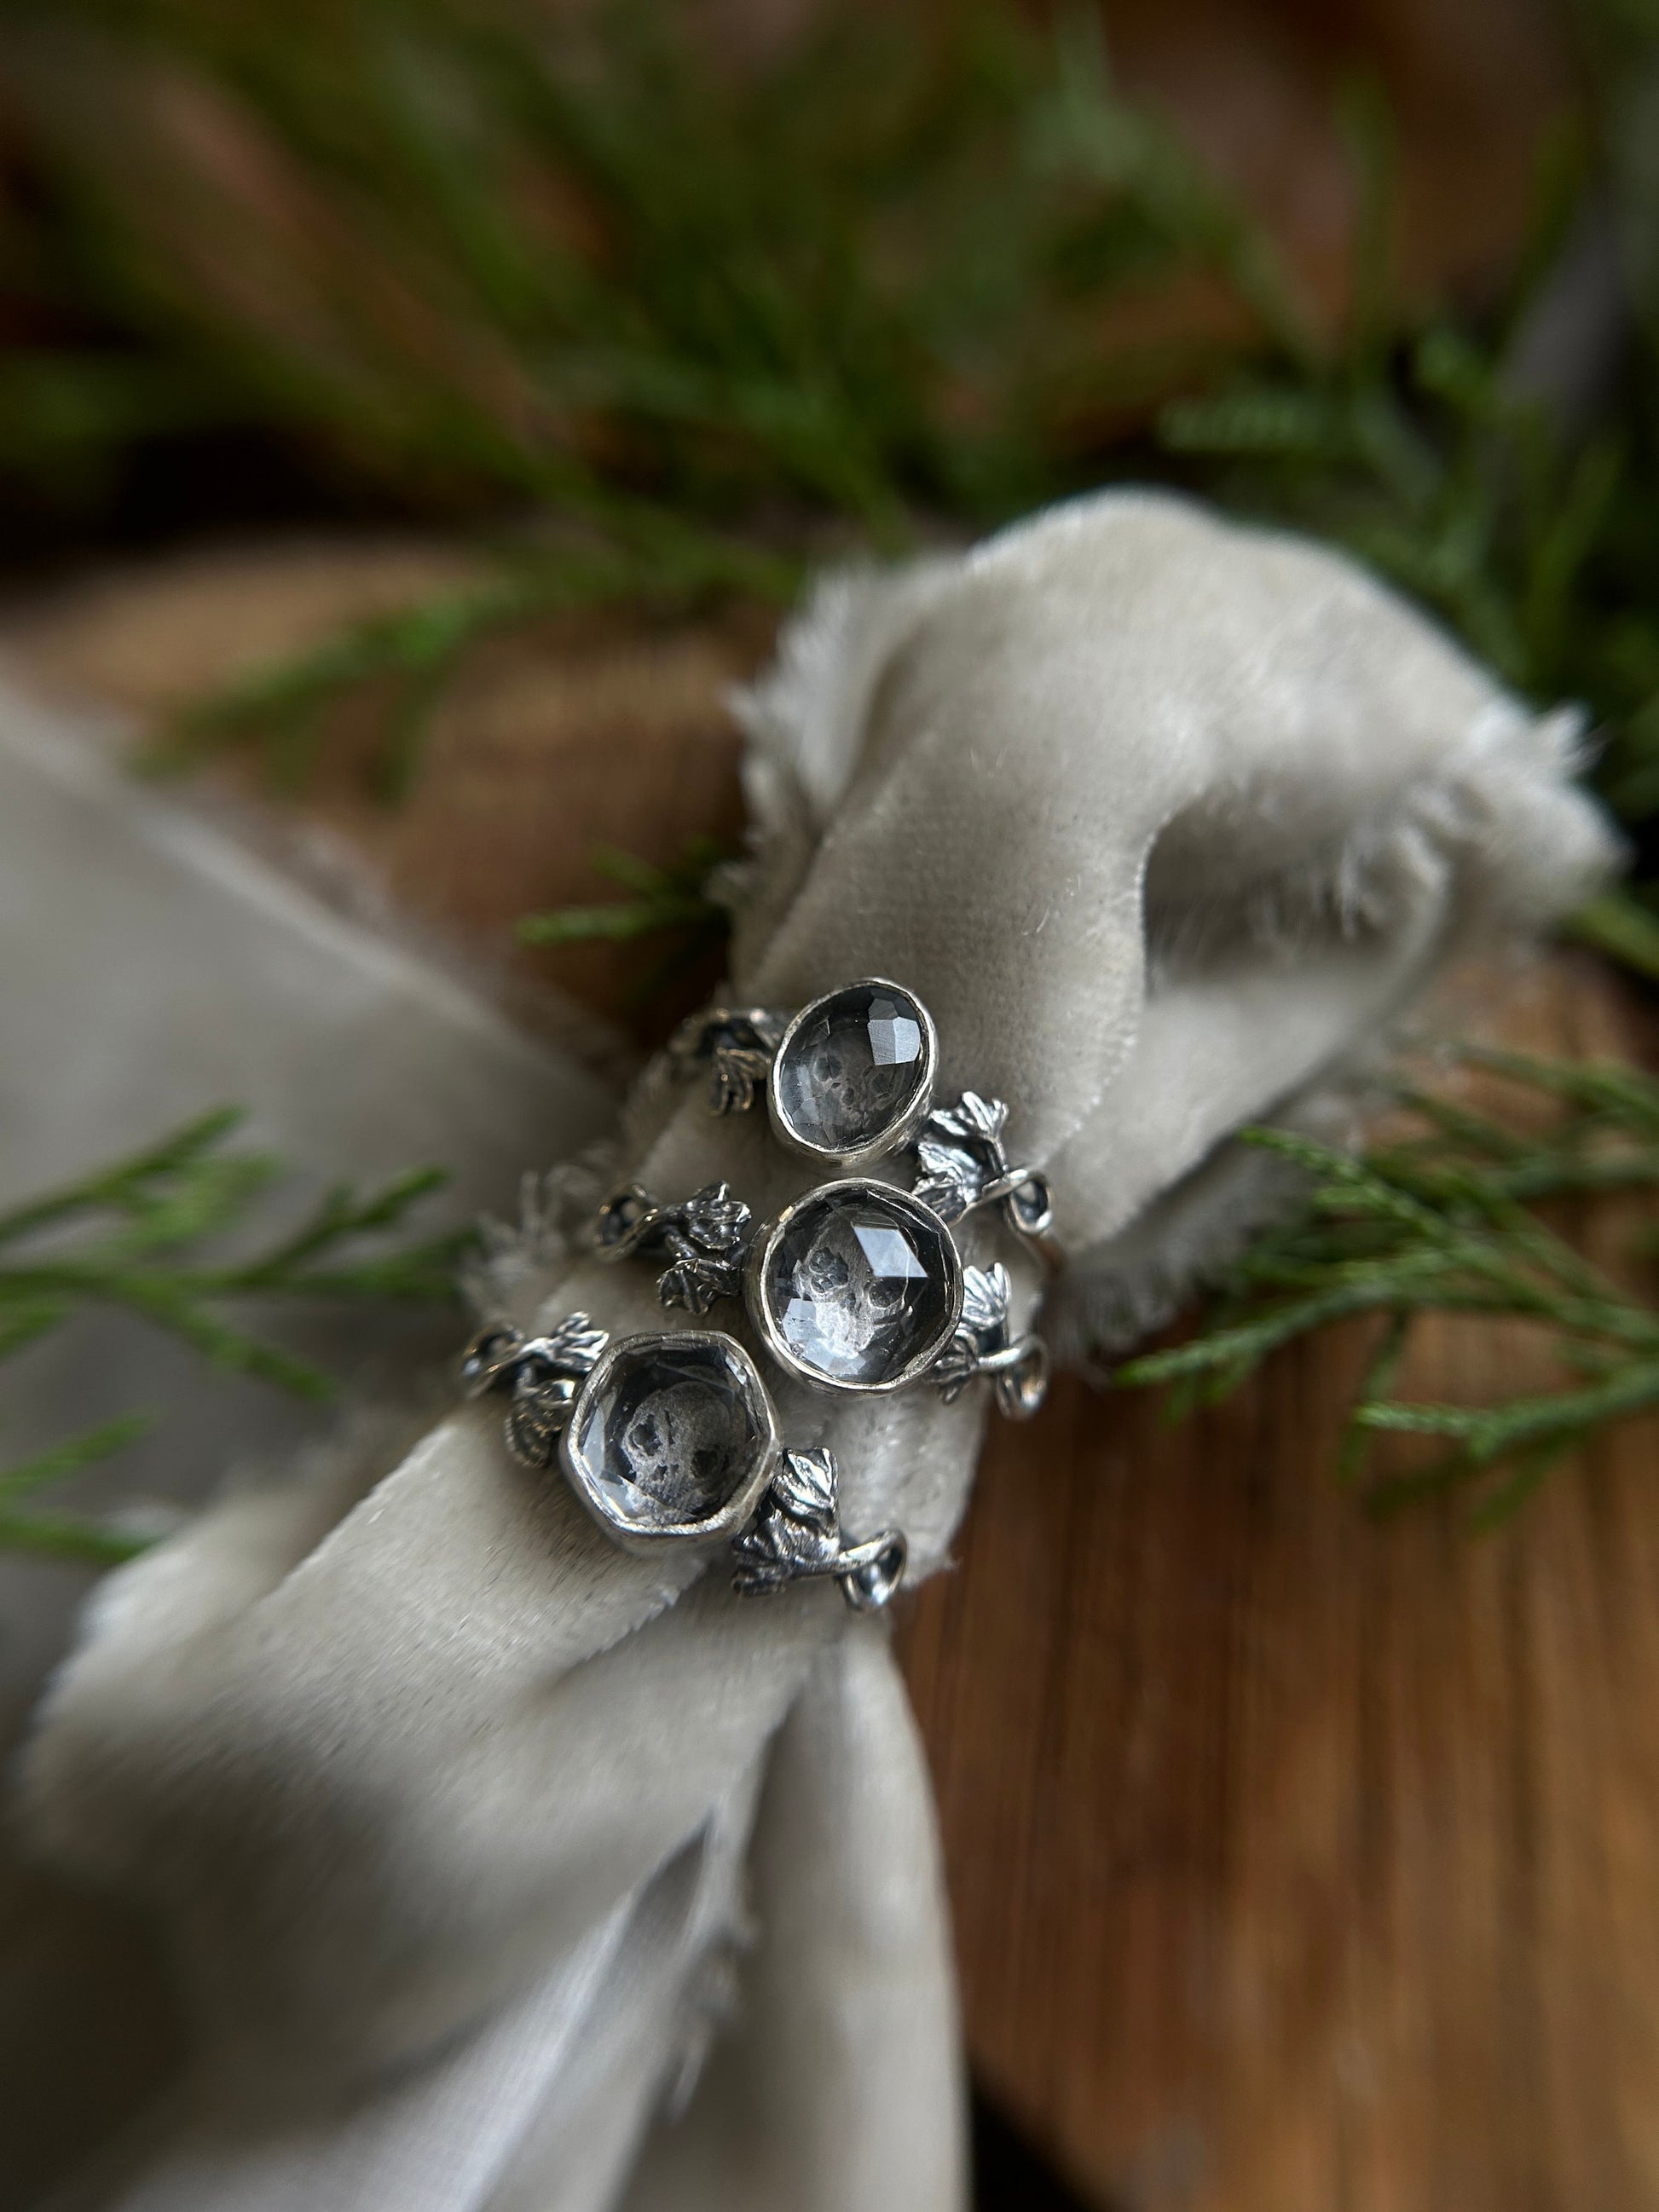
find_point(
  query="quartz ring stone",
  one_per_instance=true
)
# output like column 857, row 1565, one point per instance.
column 673, row 1438
column 849, row 1080
column 857, row 1287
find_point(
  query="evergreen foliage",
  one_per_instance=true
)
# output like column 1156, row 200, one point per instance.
column 1448, row 1220
column 655, row 329
column 132, row 1235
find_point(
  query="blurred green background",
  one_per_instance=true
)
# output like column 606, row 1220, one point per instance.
column 662, row 303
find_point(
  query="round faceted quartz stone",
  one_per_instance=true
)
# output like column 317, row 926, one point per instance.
column 853, row 1071
column 861, row 1286
column 669, row 1433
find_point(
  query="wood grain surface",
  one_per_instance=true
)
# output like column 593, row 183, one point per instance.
column 1300, row 1860
column 1300, row 1864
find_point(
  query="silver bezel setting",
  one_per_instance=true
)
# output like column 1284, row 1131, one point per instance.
column 899, row 1131
column 922, row 1217
column 718, row 1527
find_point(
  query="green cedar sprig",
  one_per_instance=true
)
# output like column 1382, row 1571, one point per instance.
column 712, row 322
column 674, row 903
column 584, row 266
column 1447, row 1221
column 715, row 321
column 130, row 1236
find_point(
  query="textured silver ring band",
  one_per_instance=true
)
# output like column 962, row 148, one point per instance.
column 673, row 1438
column 857, row 1287
column 849, row 1080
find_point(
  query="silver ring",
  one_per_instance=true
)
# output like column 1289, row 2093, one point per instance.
column 673, row 1438
column 849, row 1080
column 858, row 1287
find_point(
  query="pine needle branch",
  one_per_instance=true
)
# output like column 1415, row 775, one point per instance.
column 66, row 1536
column 72, row 1455
column 695, row 317
column 705, row 324
column 675, row 902
column 1443, row 1221
column 128, row 1237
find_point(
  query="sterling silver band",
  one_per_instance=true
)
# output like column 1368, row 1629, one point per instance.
column 674, row 1438
column 849, row 1080
column 857, row 1287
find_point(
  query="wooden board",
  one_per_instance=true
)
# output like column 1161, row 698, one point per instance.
column 1297, row 1861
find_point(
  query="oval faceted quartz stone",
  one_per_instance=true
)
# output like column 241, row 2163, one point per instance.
column 669, row 1435
column 853, row 1070
column 863, row 1286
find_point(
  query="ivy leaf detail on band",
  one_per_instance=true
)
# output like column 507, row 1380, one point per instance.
column 963, row 1163
column 983, row 1345
column 736, row 1045
column 798, row 1534
column 705, row 1238
column 542, row 1374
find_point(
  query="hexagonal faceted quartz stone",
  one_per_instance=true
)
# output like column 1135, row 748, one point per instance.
column 672, row 1435
column 853, row 1076
column 859, row 1286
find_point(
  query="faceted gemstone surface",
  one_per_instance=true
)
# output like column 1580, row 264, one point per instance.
column 853, row 1069
column 669, row 1435
column 861, row 1285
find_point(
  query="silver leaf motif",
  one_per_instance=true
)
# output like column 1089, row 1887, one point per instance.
column 962, row 1162
column 575, row 1342
column 950, row 1178
column 986, row 1293
column 798, row 1531
column 736, row 1073
column 798, row 1534
column 543, row 1374
column 737, row 1045
column 805, row 1488
column 975, row 1118
column 982, row 1330
column 983, row 1345
column 708, row 1238
column 705, row 1239
column 538, row 1417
